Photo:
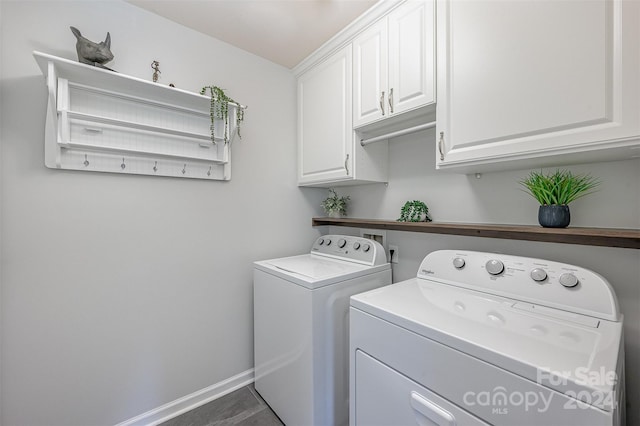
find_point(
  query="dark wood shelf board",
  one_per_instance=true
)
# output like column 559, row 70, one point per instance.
column 605, row 237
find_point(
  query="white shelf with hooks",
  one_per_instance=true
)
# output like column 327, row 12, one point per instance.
column 102, row 121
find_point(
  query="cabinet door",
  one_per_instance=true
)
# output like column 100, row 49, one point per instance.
column 325, row 131
column 411, row 56
column 530, row 83
column 370, row 74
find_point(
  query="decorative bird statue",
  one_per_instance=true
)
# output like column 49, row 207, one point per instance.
column 92, row 53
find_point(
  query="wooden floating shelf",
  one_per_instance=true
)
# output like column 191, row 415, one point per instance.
column 605, row 237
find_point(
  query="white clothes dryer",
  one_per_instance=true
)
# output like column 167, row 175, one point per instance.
column 483, row 338
column 301, row 327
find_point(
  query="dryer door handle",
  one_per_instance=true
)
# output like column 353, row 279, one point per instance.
column 434, row 414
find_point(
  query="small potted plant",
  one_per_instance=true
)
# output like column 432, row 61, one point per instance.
column 334, row 205
column 414, row 211
column 554, row 192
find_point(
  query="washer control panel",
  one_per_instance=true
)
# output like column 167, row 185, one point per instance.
column 353, row 249
column 545, row 282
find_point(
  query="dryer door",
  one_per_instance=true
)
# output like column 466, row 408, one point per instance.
column 386, row 397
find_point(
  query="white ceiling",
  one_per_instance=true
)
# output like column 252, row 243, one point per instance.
column 282, row 31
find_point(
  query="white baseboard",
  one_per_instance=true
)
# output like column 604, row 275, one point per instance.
column 191, row 401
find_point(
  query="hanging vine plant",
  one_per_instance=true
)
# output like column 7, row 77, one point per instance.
column 219, row 109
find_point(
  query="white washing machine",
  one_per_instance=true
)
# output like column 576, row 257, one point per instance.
column 483, row 338
column 301, row 343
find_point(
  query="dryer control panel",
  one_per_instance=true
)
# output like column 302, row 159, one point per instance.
column 557, row 285
column 352, row 249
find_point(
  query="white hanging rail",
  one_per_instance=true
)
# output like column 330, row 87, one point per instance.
column 137, row 152
column 402, row 132
column 115, row 122
column 103, row 121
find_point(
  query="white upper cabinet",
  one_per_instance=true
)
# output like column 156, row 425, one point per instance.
column 537, row 83
column 329, row 152
column 394, row 63
column 411, row 56
column 370, row 74
column 325, row 131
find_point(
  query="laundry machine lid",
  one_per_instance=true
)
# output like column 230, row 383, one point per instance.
column 571, row 353
column 316, row 268
column 313, row 271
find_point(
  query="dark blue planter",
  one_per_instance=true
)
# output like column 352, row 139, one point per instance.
column 554, row 216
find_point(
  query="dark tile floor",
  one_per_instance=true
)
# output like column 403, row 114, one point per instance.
column 243, row 407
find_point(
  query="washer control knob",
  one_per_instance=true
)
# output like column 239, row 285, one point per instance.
column 494, row 267
column 458, row 262
column 568, row 280
column 342, row 242
column 321, row 241
column 366, row 247
column 538, row 274
column 328, row 241
column 356, row 246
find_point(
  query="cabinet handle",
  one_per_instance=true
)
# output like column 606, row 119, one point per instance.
column 346, row 164
column 391, row 100
column 382, row 102
column 441, row 146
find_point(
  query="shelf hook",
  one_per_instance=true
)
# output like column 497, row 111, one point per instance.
column 155, row 167
column 86, row 161
column 122, row 166
column 184, row 169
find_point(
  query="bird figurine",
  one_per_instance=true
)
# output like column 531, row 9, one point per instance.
column 92, row 53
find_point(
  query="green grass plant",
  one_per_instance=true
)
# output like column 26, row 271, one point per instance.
column 560, row 187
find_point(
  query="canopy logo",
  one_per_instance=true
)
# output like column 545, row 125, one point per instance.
column 500, row 400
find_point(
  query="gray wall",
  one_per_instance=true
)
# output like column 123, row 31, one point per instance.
column 497, row 198
column 121, row 293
